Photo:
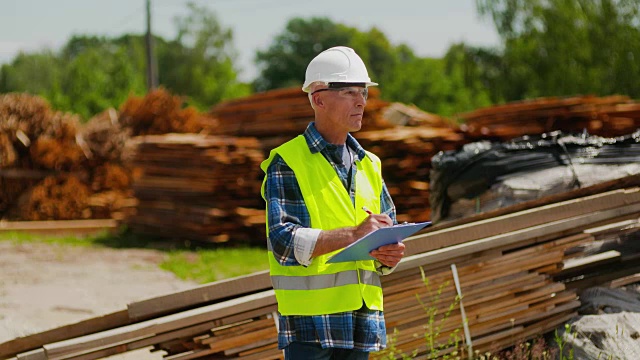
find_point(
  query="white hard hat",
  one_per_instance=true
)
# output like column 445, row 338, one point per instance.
column 338, row 64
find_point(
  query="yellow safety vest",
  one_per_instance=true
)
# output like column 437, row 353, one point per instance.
column 322, row 288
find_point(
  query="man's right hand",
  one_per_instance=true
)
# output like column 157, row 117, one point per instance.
column 371, row 223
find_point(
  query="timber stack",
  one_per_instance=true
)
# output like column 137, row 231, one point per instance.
column 517, row 272
column 608, row 116
column 199, row 187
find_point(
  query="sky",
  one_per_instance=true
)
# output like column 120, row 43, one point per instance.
column 429, row 27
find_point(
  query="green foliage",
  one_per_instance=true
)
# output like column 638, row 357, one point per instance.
column 207, row 265
column 98, row 78
column 549, row 48
column 90, row 74
column 284, row 63
column 444, row 86
column 567, row 47
column 199, row 63
column 37, row 73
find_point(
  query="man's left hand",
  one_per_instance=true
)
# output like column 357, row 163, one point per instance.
column 389, row 255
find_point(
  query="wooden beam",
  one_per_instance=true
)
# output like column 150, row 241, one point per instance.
column 59, row 227
column 84, row 327
column 149, row 328
column 205, row 294
column 521, row 220
column 515, row 237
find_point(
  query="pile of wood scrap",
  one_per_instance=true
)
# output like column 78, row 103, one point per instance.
column 199, row 187
column 608, row 116
column 503, row 271
column 159, row 112
column 39, row 150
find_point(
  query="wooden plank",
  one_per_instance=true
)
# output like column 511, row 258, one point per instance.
column 631, row 279
column 615, row 227
column 579, row 264
column 230, row 331
column 261, row 344
column 271, row 354
column 515, row 237
column 100, row 353
column 59, row 227
column 243, row 339
column 100, row 323
column 273, row 345
column 249, row 314
column 148, row 328
column 521, row 220
column 176, row 334
column 193, row 354
column 204, row 294
column 37, row 354
column 533, row 313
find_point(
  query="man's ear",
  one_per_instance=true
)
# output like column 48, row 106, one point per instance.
column 317, row 100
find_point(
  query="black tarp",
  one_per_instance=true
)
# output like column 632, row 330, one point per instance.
column 471, row 171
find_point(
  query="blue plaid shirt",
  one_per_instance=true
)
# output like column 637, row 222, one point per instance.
column 361, row 329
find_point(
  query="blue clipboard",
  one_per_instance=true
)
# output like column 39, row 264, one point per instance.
column 360, row 249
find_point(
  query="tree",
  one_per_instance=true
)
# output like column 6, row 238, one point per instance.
column 566, row 47
column 199, row 62
column 97, row 78
column 443, row 86
column 284, row 63
column 92, row 73
column 37, row 73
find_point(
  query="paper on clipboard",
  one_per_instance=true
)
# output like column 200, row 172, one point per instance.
column 360, row 249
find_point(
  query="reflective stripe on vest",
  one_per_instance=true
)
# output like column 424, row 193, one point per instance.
column 323, row 288
column 325, row 281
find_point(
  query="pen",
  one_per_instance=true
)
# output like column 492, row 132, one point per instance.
column 367, row 210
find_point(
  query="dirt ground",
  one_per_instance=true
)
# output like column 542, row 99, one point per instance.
column 45, row 286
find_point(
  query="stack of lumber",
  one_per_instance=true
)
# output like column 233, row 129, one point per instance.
column 506, row 266
column 608, row 116
column 199, row 187
column 510, row 268
column 281, row 113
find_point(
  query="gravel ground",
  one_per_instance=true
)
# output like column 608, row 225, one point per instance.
column 44, row 286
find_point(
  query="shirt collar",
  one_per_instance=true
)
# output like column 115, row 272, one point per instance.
column 317, row 143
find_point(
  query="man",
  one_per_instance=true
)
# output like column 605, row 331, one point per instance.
column 323, row 192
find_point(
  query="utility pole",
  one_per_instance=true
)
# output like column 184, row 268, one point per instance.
column 152, row 71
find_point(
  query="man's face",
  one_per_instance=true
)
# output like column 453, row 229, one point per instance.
column 345, row 106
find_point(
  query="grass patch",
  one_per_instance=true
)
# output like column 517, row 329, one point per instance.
column 198, row 262
column 206, row 266
column 23, row 238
